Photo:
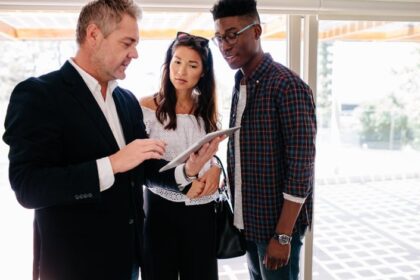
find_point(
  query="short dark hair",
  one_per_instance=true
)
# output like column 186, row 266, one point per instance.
column 231, row 8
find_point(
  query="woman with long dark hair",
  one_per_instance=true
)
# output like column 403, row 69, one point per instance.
column 179, row 231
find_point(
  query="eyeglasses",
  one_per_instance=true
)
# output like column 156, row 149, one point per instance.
column 181, row 36
column 230, row 37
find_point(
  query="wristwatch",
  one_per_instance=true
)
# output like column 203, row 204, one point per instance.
column 283, row 239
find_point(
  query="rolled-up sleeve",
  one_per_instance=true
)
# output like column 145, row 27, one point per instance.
column 297, row 113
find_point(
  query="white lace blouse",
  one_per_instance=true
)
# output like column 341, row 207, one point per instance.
column 186, row 133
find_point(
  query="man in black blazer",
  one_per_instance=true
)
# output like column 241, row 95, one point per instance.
column 78, row 154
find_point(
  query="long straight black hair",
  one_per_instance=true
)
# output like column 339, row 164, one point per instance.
column 206, row 104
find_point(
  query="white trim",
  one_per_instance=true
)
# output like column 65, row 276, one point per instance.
column 380, row 9
column 293, row 43
column 401, row 9
column 360, row 17
column 308, row 255
column 310, row 52
column 310, row 63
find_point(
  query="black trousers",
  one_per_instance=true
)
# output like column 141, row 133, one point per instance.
column 179, row 240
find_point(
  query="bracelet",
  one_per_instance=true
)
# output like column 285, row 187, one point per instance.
column 188, row 178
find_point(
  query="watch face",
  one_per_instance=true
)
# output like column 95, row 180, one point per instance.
column 283, row 239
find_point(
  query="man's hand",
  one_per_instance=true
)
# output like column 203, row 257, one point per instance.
column 196, row 189
column 276, row 255
column 197, row 160
column 135, row 153
column 211, row 179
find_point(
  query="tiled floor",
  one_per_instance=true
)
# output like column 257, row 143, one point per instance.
column 233, row 269
column 365, row 230
column 368, row 230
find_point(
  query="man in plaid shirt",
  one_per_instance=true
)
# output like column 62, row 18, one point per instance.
column 271, row 158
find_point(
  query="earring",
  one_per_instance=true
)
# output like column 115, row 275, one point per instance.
column 196, row 92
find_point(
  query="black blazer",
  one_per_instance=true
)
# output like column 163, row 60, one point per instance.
column 56, row 132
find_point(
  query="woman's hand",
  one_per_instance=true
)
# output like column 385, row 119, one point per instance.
column 197, row 160
column 196, row 189
column 211, row 180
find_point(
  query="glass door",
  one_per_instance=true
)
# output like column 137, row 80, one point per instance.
column 367, row 195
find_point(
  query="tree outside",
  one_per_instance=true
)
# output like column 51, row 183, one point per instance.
column 394, row 121
column 23, row 59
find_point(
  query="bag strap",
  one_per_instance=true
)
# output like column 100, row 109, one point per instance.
column 224, row 189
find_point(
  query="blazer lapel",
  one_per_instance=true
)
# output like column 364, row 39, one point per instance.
column 82, row 93
column 123, row 110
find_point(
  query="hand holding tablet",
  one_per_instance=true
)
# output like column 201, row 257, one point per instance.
column 181, row 158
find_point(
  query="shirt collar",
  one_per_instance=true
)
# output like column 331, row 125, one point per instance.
column 258, row 72
column 90, row 81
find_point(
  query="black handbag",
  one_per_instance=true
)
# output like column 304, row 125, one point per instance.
column 230, row 242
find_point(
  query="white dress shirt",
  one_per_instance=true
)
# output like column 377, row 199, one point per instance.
column 107, row 105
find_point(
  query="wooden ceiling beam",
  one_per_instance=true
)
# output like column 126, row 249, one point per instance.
column 401, row 34
column 363, row 36
column 7, row 31
column 45, row 33
column 279, row 35
column 165, row 34
column 42, row 33
column 272, row 33
column 415, row 38
column 274, row 28
column 349, row 29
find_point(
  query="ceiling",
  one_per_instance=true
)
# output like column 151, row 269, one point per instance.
column 154, row 25
column 25, row 25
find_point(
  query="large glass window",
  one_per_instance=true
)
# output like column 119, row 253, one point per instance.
column 367, row 171
column 20, row 60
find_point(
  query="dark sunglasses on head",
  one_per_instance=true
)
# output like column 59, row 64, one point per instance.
column 186, row 36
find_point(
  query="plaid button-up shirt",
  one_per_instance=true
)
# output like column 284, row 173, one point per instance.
column 277, row 146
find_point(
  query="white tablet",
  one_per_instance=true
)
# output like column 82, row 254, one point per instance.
column 181, row 158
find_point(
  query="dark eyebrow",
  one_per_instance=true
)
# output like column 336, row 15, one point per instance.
column 189, row 61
